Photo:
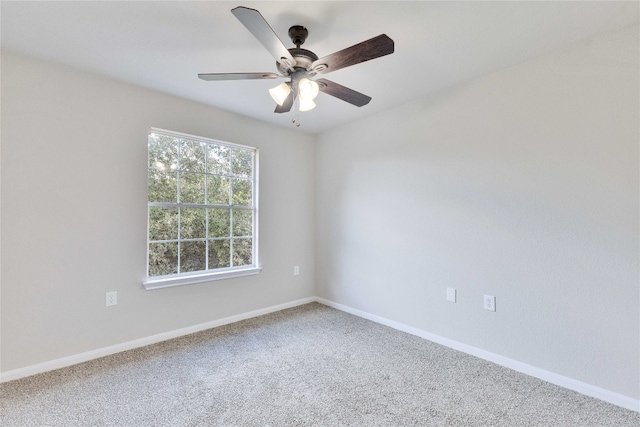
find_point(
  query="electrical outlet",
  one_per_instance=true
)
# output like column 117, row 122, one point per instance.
column 451, row 294
column 296, row 270
column 112, row 298
column 490, row 302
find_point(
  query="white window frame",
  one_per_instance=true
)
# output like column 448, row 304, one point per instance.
column 157, row 282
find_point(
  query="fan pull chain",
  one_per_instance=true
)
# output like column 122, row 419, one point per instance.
column 293, row 116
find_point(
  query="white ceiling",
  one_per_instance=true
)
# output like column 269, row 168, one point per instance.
column 438, row 45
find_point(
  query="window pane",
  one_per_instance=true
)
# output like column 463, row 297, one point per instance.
column 242, row 222
column 242, row 192
column 163, row 258
column 192, row 156
column 192, row 223
column 193, row 256
column 218, row 161
column 163, row 186
column 242, row 252
column 163, row 224
column 192, row 187
column 218, row 190
column 219, row 222
column 187, row 177
column 163, row 152
column 219, row 254
column 242, row 163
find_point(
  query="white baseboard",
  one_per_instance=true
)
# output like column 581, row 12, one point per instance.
column 106, row 351
column 562, row 381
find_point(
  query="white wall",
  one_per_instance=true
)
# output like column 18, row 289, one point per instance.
column 74, row 156
column 524, row 185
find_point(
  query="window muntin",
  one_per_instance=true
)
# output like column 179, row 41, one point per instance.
column 202, row 208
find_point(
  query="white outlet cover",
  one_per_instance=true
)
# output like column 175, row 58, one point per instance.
column 490, row 302
column 296, row 270
column 451, row 294
column 111, row 298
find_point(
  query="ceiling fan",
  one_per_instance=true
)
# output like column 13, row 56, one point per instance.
column 300, row 66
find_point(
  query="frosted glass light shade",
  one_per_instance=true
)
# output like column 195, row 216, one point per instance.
column 308, row 89
column 306, row 104
column 280, row 93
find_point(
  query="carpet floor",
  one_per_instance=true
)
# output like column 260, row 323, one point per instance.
column 309, row 365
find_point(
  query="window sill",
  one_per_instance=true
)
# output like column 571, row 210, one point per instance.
column 167, row 282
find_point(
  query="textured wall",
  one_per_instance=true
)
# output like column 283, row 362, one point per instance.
column 74, row 158
column 522, row 185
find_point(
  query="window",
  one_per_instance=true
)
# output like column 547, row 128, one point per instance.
column 202, row 209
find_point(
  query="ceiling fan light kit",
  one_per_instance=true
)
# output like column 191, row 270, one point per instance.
column 300, row 65
column 280, row 93
column 306, row 104
column 308, row 89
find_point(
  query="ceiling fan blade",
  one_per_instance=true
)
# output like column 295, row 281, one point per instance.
column 286, row 105
column 258, row 26
column 237, row 76
column 342, row 92
column 369, row 49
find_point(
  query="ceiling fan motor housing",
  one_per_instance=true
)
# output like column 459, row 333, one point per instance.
column 303, row 57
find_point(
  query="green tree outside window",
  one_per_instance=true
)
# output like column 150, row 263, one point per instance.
column 201, row 198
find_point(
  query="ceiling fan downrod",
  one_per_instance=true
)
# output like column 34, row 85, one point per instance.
column 298, row 35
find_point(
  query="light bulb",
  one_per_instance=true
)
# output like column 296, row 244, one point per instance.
column 308, row 89
column 306, row 104
column 280, row 93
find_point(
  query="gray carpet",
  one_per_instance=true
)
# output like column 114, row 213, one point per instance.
column 310, row 365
